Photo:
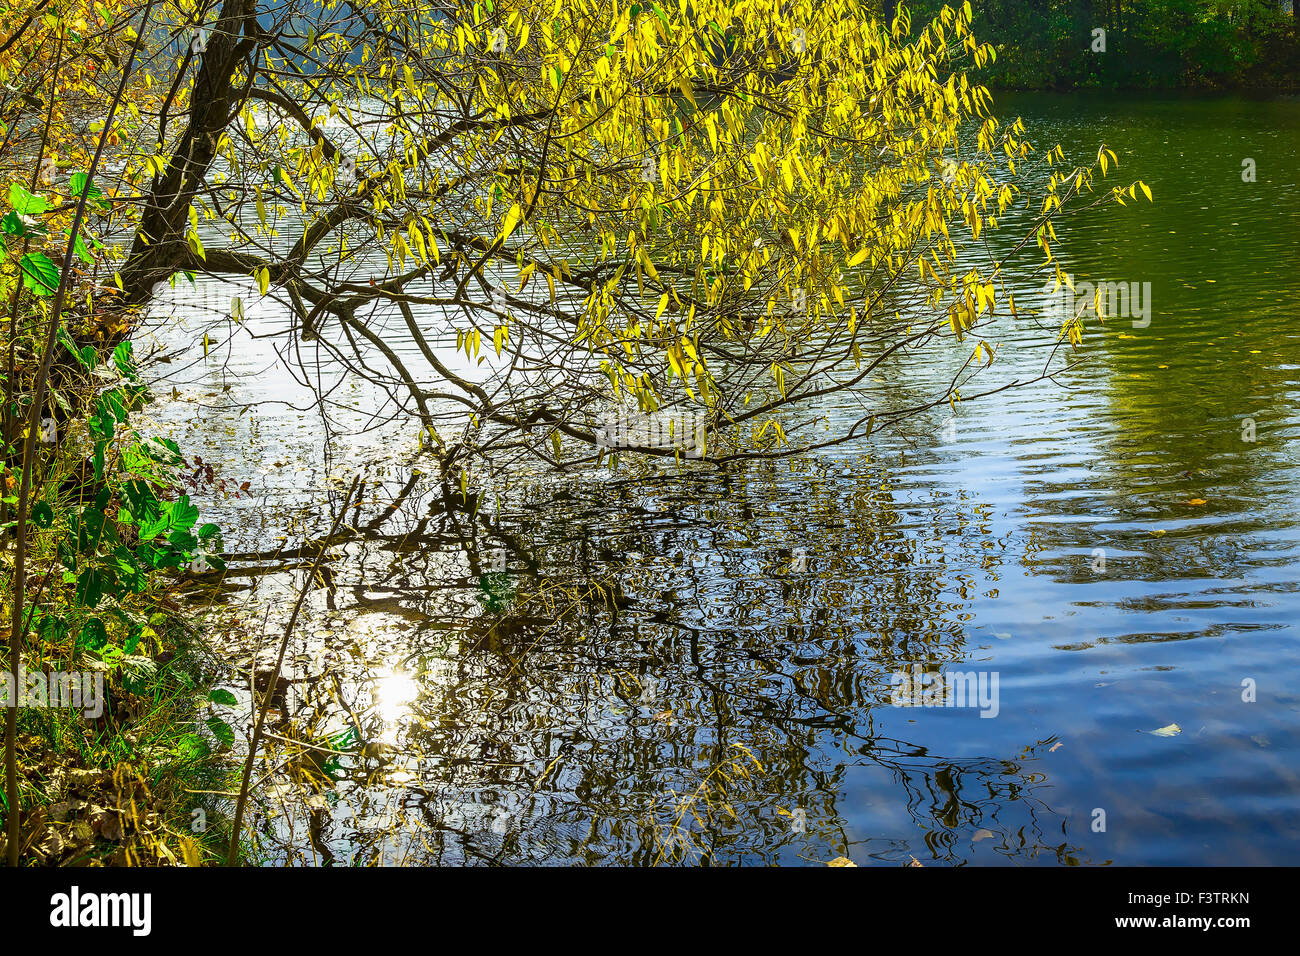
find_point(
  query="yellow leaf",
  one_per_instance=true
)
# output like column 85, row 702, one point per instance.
column 511, row 221
column 663, row 304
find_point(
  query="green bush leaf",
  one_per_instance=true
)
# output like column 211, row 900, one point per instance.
column 40, row 275
column 151, row 527
column 223, row 696
column 13, row 225
column 93, row 634
column 79, row 247
column 221, row 730
column 181, row 515
column 92, row 584
column 125, row 361
column 81, row 184
column 24, row 203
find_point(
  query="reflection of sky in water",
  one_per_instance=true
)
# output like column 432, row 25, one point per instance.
column 769, row 608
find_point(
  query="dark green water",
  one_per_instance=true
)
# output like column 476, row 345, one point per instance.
column 1118, row 548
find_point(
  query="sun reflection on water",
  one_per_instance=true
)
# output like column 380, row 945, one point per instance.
column 394, row 692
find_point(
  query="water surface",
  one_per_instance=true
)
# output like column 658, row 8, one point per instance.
column 699, row 667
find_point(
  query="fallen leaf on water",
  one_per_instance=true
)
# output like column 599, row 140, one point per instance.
column 1157, row 534
column 841, row 861
column 916, row 862
column 1055, row 746
column 981, row 835
column 1196, row 501
column 1173, row 730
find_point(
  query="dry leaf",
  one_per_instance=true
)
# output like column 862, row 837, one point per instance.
column 841, row 861
column 1173, row 730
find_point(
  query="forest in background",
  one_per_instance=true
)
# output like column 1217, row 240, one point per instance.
column 1153, row 44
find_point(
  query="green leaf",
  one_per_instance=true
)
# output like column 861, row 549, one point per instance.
column 24, row 203
column 81, row 183
column 222, row 696
column 42, row 514
column 91, row 586
column 13, row 225
column 194, row 746
column 152, row 527
column 141, row 501
column 93, row 634
column 79, row 247
column 181, row 514
column 40, row 275
column 125, row 361
column 221, row 730
column 66, row 341
column 114, row 403
column 183, row 541
column 128, row 572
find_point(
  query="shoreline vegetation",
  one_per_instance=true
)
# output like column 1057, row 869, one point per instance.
column 109, row 759
column 115, row 757
column 99, row 532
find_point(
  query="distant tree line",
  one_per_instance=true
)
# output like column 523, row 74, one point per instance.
column 1053, row 44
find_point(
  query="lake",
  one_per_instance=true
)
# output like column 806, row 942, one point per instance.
column 1056, row 626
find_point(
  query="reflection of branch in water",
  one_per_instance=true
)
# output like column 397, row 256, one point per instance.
column 748, row 651
column 934, row 787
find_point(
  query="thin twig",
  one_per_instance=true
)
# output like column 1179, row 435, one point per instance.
column 265, row 704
